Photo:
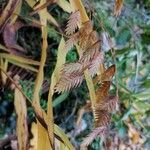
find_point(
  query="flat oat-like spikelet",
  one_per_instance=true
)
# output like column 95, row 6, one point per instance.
column 109, row 104
column 102, row 117
column 88, row 40
column 68, row 81
column 102, row 91
column 97, row 60
column 73, row 39
column 109, row 73
column 89, row 53
column 84, row 35
column 90, row 56
column 72, row 24
column 72, row 67
column 86, row 28
column 118, row 7
column 97, row 132
column 106, row 76
column 87, row 36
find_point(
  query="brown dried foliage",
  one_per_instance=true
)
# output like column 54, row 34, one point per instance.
column 106, row 76
column 90, row 55
column 72, row 74
column 109, row 104
column 105, row 104
column 118, row 7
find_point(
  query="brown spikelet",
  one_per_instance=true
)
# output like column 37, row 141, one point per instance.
column 107, row 75
column 73, row 67
column 97, row 132
column 86, row 28
column 102, row 117
column 94, row 66
column 87, row 39
column 84, row 36
column 72, row 73
column 68, row 81
column 102, row 91
column 72, row 24
column 88, row 55
column 109, row 104
column 118, row 7
column 73, row 39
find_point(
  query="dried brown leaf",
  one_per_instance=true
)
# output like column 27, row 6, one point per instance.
column 80, row 124
column 109, row 73
column 81, row 111
column 87, row 37
column 86, row 28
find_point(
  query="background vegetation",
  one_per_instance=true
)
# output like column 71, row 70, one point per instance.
column 125, row 40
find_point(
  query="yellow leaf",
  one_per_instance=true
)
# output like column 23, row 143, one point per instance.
column 48, row 16
column 40, row 76
column 3, row 48
column 25, row 66
column 40, row 140
column 60, row 146
column 34, row 140
column 77, row 5
column 41, row 6
column 61, row 57
column 65, row 5
column 22, row 127
column 90, row 87
column 19, row 59
column 63, row 136
column 4, row 65
column 43, row 140
column 31, row 3
column 51, row 19
column 8, row 12
column 16, row 12
column 39, row 132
